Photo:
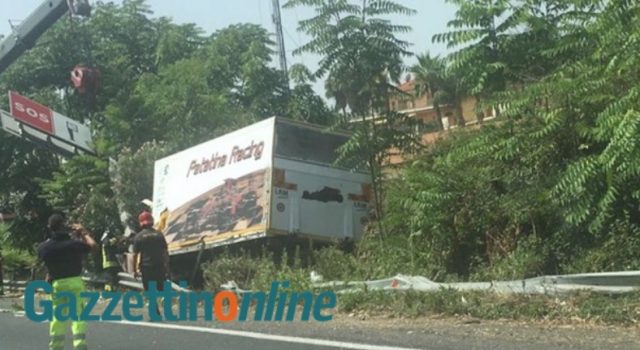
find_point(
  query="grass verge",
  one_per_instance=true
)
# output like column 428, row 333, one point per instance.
column 580, row 307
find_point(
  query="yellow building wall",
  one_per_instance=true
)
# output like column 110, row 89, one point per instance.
column 469, row 109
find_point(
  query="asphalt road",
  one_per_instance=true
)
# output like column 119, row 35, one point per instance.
column 19, row 333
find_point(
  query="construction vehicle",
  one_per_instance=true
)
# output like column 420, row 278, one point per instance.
column 30, row 120
column 25, row 35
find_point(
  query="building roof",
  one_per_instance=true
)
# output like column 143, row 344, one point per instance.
column 407, row 86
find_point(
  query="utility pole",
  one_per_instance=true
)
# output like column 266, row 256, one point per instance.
column 282, row 54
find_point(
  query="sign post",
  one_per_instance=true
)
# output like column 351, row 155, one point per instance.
column 33, row 120
column 31, row 113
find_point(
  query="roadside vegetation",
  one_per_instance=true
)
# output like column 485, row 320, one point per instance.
column 257, row 273
column 577, row 308
column 16, row 262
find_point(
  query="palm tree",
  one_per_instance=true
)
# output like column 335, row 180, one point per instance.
column 432, row 75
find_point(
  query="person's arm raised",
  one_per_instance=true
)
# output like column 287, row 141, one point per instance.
column 85, row 236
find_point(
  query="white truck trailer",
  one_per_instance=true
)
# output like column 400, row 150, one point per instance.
column 275, row 178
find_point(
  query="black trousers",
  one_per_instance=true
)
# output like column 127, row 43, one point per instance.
column 157, row 275
column 112, row 275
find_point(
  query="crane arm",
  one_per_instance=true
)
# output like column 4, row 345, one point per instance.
column 25, row 35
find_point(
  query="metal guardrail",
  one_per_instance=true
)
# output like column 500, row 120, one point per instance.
column 125, row 280
column 602, row 282
column 10, row 286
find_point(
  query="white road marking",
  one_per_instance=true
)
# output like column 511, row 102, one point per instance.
column 272, row 337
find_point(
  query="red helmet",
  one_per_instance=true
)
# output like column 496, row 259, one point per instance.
column 145, row 219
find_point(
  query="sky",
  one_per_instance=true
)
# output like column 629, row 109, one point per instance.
column 211, row 15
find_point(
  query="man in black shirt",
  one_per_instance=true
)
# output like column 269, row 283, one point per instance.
column 151, row 254
column 62, row 254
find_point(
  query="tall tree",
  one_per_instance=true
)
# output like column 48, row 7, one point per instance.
column 124, row 43
column 443, row 84
column 360, row 50
column 481, row 28
column 361, row 56
column 303, row 103
column 505, row 44
column 238, row 62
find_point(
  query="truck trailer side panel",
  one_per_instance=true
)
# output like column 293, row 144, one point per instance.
column 273, row 178
column 217, row 190
column 318, row 201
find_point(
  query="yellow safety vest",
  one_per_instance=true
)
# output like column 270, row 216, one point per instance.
column 106, row 262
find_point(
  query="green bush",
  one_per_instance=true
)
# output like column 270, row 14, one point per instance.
column 397, row 254
column 255, row 273
column 17, row 259
column 526, row 261
column 334, row 264
column 619, row 250
column 469, row 200
column 239, row 269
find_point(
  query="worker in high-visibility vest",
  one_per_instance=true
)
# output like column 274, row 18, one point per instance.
column 63, row 254
column 110, row 265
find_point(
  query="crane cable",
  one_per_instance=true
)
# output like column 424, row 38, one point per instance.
column 83, row 37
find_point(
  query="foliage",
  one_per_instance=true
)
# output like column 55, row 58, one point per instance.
column 118, row 40
column 162, row 82
column 255, row 273
column 303, row 103
column 13, row 259
column 481, row 26
column 474, row 196
column 81, row 189
column 525, row 261
column 503, row 44
column 132, row 175
column 551, row 186
column 604, row 113
column 17, row 260
column 19, row 188
column 359, row 49
column 616, row 251
column 361, row 56
column 241, row 270
column 227, row 83
column 445, row 86
column 334, row 264
column 556, row 177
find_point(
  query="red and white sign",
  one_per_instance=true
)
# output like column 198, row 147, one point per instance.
column 42, row 118
column 31, row 113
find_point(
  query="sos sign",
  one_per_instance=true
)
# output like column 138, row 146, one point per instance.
column 31, row 113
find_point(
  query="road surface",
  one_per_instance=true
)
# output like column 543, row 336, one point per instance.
column 19, row 333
